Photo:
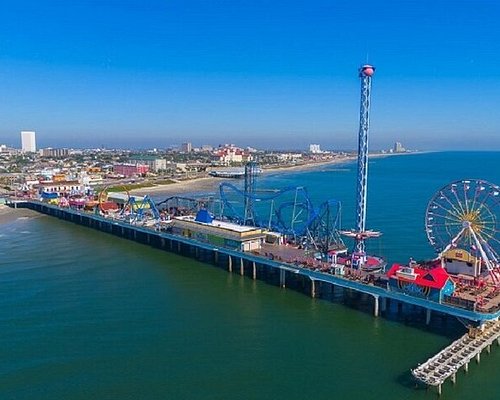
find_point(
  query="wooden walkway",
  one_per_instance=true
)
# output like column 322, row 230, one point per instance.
column 447, row 362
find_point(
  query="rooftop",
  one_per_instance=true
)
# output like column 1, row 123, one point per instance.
column 219, row 224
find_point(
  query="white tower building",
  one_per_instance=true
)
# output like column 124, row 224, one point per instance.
column 314, row 148
column 28, row 142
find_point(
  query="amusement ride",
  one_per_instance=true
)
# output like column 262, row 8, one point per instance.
column 461, row 223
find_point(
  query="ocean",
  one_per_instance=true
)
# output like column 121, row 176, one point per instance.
column 86, row 315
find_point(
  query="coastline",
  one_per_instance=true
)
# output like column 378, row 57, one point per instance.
column 210, row 183
column 8, row 214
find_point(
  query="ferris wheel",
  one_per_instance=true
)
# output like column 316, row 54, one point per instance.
column 466, row 214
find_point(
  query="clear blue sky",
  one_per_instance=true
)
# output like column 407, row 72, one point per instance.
column 263, row 73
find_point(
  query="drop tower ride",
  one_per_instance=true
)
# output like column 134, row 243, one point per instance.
column 360, row 234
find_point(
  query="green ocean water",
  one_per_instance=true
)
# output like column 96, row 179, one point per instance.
column 85, row 315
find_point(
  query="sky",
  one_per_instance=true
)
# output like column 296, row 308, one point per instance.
column 267, row 74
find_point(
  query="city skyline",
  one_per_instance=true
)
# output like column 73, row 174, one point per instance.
column 268, row 75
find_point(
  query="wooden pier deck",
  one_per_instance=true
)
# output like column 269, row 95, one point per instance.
column 446, row 364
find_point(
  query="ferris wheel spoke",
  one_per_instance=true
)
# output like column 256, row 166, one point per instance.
column 459, row 202
column 477, row 192
column 483, row 208
column 447, row 222
column 454, row 210
column 449, row 219
column 481, row 203
column 486, row 228
column 483, row 242
column 492, row 238
column 466, row 200
column 448, row 211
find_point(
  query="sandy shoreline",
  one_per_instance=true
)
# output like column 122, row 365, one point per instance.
column 8, row 214
column 211, row 184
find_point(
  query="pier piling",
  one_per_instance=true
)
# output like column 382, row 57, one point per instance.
column 428, row 314
column 376, row 306
column 282, row 278
column 383, row 304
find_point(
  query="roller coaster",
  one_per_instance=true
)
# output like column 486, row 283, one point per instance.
column 289, row 211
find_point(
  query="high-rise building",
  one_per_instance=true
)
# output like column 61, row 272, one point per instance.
column 398, row 148
column 314, row 148
column 186, row 147
column 28, row 142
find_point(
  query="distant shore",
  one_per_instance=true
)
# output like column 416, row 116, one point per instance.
column 211, row 184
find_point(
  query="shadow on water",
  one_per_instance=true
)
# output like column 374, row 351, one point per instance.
column 409, row 315
column 407, row 380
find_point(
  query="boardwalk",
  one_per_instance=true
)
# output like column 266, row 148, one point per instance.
column 446, row 363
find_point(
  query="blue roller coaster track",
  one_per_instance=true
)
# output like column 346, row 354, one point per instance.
column 289, row 211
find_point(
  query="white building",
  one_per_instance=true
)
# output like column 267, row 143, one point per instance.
column 398, row 148
column 50, row 152
column 228, row 154
column 28, row 142
column 186, row 147
column 314, row 148
column 155, row 164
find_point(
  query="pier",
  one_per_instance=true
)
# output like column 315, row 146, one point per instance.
column 446, row 364
column 283, row 273
column 312, row 282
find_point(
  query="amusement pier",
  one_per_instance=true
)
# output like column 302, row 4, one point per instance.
column 280, row 237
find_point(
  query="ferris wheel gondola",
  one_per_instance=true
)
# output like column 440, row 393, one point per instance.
column 464, row 215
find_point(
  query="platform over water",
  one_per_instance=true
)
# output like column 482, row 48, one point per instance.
column 447, row 362
column 124, row 229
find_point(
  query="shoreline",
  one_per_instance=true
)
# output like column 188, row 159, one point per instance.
column 8, row 214
column 211, row 183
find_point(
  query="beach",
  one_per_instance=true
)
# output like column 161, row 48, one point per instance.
column 8, row 214
column 211, row 184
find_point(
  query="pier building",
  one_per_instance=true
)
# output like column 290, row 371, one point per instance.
column 206, row 229
column 432, row 284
